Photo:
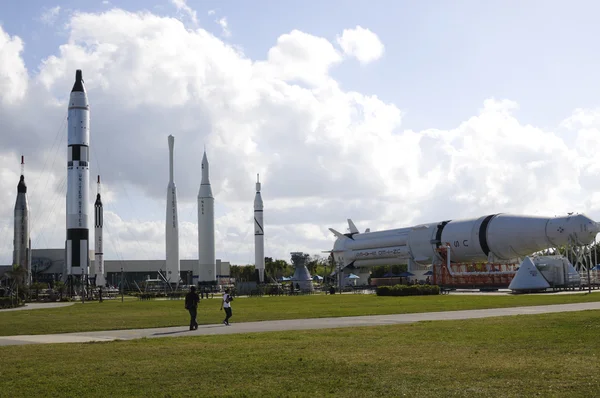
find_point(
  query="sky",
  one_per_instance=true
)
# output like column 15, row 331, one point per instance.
column 391, row 113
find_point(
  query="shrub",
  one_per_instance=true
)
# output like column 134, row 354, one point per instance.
column 404, row 290
column 8, row 302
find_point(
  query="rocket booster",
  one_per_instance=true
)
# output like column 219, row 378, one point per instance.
column 206, row 227
column 172, row 223
column 494, row 238
column 78, row 173
column 22, row 242
column 99, row 243
column 259, row 235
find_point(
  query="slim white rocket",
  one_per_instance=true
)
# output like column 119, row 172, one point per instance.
column 99, row 243
column 206, row 229
column 172, row 224
column 22, row 242
column 78, row 174
column 259, row 236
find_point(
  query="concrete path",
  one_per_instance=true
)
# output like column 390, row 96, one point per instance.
column 295, row 324
column 38, row 306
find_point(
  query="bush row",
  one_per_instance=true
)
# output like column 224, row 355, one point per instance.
column 7, row 302
column 404, row 290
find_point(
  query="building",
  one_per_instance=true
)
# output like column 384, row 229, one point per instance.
column 47, row 265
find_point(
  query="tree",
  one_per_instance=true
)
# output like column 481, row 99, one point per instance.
column 18, row 275
column 60, row 287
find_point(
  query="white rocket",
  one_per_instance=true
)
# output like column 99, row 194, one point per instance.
column 22, row 242
column 494, row 238
column 259, row 234
column 99, row 243
column 78, row 174
column 172, row 224
column 206, row 228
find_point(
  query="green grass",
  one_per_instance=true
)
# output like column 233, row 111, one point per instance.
column 547, row 355
column 132, row 314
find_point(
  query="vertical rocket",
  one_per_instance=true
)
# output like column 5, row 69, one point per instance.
column 22, row 242
column 172, row 224
column 99, row 243
column 78, row 174
column 206, row 228
column 259, row 235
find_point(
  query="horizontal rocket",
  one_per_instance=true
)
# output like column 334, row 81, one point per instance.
column 493, row 238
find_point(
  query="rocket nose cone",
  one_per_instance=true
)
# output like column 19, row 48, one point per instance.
column 78, row 86
column 22, row 187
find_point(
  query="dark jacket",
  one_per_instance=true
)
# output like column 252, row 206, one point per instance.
column 191, row 300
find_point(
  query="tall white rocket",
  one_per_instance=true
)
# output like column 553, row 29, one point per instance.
column 172, row 224
column 259, row 234
column 99, row 243
column 206, row 228
column 78, row 174
column 22, row 242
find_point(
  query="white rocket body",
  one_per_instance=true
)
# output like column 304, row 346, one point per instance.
column 172, row 224
column 99, row 243
column 259, row 234
column 78, row 174
column 22, row 242
column 206, row 228
column 495, row 238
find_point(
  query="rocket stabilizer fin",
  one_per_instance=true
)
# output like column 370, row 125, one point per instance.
column 337, row 234
column 352, row 227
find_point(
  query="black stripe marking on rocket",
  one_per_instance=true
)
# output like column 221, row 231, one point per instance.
column 438, row 234
column 79, row 153
column 483, row 234
column 76, row 235
column 259, row 226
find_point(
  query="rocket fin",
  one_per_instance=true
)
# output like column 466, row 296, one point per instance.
column 352, row 227
column 528, row 277
column 337, row 234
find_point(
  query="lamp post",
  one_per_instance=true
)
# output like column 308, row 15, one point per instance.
column 122, row 285
column 82, row 287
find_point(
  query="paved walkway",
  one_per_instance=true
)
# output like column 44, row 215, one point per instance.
column 295, row 324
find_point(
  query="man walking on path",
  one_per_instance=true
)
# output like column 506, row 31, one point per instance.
column 227, row 299
column 191, row 304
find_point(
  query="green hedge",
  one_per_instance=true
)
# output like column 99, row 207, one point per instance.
column 7, row 302
column 404, row 290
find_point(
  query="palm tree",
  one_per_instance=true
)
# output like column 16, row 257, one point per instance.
column 60, row 287
column 18, row 274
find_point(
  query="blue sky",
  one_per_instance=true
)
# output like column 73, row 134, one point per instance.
column 443, row 62
column 442, row 58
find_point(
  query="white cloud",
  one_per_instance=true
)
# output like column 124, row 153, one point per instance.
column 362, row 44
column 211, row 12
column 13, row 75
column 324, row 154
column 183, row 7
column 224, row 27
column 49, row 15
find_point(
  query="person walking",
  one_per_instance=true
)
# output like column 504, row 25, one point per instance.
column 191, row 304
column 226, row 303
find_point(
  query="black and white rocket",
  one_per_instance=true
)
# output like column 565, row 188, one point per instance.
column 22, row 242
column 259, row 234
column 78, row 174
column 206, row 228
column 172, row 224
column 99, row 243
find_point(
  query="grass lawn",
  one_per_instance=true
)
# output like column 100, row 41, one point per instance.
column 132, row 314
column 520, row 356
